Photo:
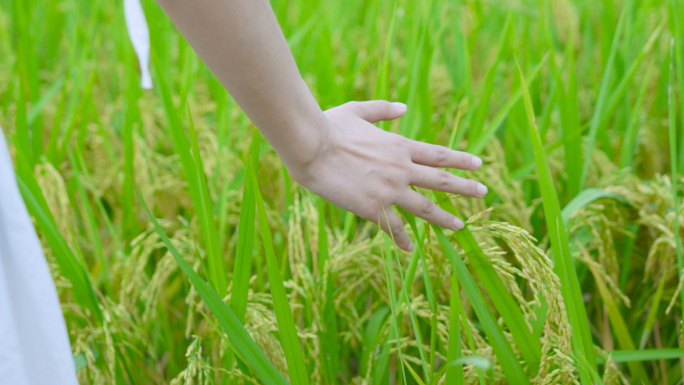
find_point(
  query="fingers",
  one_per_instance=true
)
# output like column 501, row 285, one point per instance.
column 395, row 229
column 440, row 180
column 422, row 207
column 440, row 156
column 376, row 110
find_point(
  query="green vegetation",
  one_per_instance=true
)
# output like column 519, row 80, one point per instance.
column 183, row 252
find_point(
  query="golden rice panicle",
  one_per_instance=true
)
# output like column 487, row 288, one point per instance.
column 537, row 271
column 54, row 190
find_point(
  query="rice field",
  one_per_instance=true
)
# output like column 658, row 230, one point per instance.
column 184, row 253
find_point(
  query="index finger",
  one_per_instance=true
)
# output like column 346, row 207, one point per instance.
column 440, row 156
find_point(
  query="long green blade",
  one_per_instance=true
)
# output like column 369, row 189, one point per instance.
column 585, row 198
column 241, row 340
column 508, row 308
column 603, row 94
column 194, row 172
column 245, row 242
column 672, row 122
column 414, row 323
column 286, row 324
column 330, row 348
column 646, row 355
column 454, row 374
column 504, row 353
column 564, row 265
column 69, row 265
column 619, row 327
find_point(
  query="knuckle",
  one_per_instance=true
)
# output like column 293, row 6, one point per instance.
column 352, row 105
column 385, row 105
column 440, row 154
column 427, row 206
column 461, row 158
column 396, row 227
column 472, row 187
column 444, row 178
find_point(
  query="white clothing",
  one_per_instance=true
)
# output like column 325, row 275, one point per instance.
column 34, row 344
column 139, row 34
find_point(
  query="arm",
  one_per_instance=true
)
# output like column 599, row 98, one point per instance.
column 338, row 154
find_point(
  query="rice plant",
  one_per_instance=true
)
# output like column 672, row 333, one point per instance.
column 183, row 252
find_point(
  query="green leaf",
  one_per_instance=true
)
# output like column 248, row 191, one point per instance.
column 485, row 97
column 652, row 312
column 197, row 183
column 672, row 122
column 619, row 327
column 242, row 273
column 371, row 337
column 286, row 324
column 91, row 221
column 630, row 137
column 69, row 265
column 645, row 355
column 585, row 198
column 476, row 146
column 418, row 253
column 564, row 265
column 78, row 116
column 567, row 104
column 241, row 341
column 504, row 353
column 454, row 374
column 37, row 108
column 404, row 290
column 481, row 363
column 80, row 360
column 245, row 242
column 131, row 117
column 603, row 95
column 380, row 372
column 500, row 296
column 330, row 349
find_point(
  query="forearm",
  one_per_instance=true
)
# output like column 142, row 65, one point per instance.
column 337, row 154
column 242, row 44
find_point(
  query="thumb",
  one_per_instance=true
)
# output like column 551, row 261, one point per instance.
column 376, row 110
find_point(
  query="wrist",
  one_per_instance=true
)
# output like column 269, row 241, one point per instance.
column 302, row 133
column 301, row 151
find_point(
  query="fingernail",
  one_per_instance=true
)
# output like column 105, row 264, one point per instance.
column 482, row 189
column 458, row 223
column 401, row 107
column 410, row 246
column 476, row 162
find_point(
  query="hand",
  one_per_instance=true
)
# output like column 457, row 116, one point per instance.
column 364, row 169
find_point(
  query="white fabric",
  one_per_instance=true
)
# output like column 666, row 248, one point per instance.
column 34, row 345
column 140, row 37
